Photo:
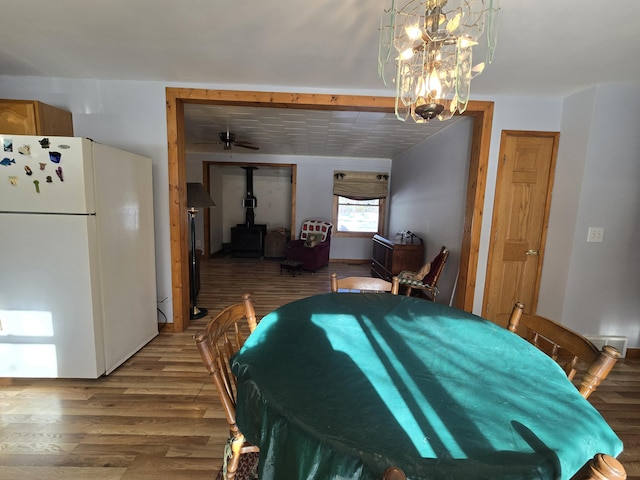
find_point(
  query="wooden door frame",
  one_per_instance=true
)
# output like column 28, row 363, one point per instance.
column 206, row 178
column 531, row 309
column 480, row 111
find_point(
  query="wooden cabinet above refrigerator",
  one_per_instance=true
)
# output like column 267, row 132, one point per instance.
column 30, row 117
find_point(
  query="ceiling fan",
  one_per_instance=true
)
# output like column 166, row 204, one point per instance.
column 229, row 139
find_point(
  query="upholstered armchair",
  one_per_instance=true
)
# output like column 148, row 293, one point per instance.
column 312, row 248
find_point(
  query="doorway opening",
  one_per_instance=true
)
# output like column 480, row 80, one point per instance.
column 176, row 98
column 219, row 222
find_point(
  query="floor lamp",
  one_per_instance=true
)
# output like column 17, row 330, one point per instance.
column 197, row 197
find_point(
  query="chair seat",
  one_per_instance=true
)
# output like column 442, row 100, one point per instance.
column 429, row 287
column 406, row 278
column 247, row 467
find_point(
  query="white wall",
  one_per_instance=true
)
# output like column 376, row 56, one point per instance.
column 271, row 186
column 428, row 193
column 273, row 193
column 602, row 280
column 510, row 113
column 132, row 116
column 413, row 181
column 572, row 152
column 314, row 190
column 315, row 197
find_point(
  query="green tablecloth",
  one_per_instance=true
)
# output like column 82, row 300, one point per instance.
column 343, row 385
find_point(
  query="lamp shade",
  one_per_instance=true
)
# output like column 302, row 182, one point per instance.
column 197, row 196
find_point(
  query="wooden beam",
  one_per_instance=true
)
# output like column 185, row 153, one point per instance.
column 481, row 112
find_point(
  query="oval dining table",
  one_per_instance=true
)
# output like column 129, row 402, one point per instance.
column 344, row 385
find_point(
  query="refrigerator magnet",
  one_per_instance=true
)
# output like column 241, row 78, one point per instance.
column 28, row 170
column 44, row 143
column 49, row 179
column 55, row 157
column 6, row 161
column 59, row 173
column 37, row 184
column 42, row 166
column 13, row 180
column 25, row 150
column 7, row 145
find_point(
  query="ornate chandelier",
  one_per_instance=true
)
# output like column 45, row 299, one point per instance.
column 430, row 43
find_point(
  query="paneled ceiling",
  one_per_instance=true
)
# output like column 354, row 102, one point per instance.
column 285, row 131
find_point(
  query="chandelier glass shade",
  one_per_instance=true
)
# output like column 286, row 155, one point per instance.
column 426, row 48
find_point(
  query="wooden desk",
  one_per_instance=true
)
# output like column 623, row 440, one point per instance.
column 344, row 385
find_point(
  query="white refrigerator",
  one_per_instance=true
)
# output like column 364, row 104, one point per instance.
column 77, row 257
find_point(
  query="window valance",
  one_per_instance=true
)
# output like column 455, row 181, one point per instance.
column 360, row 185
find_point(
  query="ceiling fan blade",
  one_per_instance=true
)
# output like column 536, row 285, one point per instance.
column 229, row 138
column 246, row 145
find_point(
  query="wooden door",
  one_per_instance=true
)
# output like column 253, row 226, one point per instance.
column 520, row 220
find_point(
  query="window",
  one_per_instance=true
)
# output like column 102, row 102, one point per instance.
column 358, row 217
column 359, row 201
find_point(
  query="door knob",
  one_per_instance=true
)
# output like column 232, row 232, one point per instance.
column 531, row 252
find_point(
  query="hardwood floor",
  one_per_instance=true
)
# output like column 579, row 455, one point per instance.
column 158, row 416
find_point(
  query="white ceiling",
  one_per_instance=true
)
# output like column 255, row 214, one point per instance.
column 545, row 47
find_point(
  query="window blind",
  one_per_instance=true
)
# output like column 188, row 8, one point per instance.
column 360, row 185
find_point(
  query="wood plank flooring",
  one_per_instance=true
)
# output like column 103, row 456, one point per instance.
column 157, row 416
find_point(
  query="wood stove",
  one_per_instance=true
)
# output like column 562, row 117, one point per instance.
column 247, row 239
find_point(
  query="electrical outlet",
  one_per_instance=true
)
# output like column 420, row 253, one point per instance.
column 199, row 244
column 595, row 234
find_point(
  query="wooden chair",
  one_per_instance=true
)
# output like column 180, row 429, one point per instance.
column 601, row 467
column 556, row 339
column 364, row 284
column 394, row 473
column 429, row 284
column 223, row 336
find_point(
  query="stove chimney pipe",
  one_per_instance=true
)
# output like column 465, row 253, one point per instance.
column 250, row 201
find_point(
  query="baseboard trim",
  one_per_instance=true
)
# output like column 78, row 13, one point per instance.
column 166, row 327
column 350, row 261
column 633, row 353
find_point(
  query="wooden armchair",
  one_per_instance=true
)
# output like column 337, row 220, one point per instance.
column 429, row 284
column 223, row 336
column 364, row 284
column 556, row 339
